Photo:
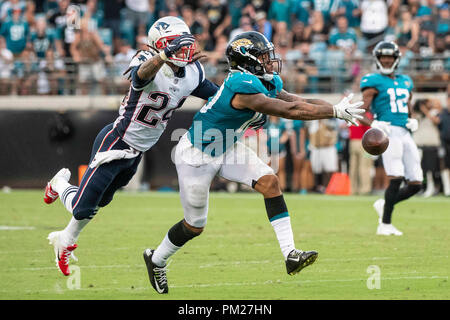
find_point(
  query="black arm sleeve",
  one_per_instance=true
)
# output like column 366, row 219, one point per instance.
column 205, row 89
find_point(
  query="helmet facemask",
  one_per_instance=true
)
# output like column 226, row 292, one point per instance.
column 259, row 65
column 270, row 64
column 182, row 57
column 387, row 52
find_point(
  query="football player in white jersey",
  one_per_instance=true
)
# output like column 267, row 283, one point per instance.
column 161, row 80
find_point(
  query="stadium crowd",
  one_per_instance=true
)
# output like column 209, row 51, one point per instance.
column 45, row 48
column 66, row 47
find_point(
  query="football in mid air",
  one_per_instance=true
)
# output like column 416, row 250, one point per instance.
column 375, row 141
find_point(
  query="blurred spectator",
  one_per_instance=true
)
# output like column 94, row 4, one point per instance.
column 301, row 11
column 324, row 7
column 6, row 67
column 259, row 5
column 43, row 42
column 15, row 31
column 245, row 24
column 413, row 6
column 374, row 21
column 297, row 138
column 139, row 12
column 444, row 129
column 187, row 14
column 277, row 137
column 343, row 37
column 263, row 25
column 219, row 21
column 65, row 34
column 87, row 49
column 279, row 15
column 299, row 34
column 361, row 163
column 324, row 157
column 407, row 30
column 216, row 67
column 121, row 62
column 25, row 72
column 427, row 139
column 8, row 7
column 236, row 10
column 111, row 19
column 443, row 21
column 350, row 9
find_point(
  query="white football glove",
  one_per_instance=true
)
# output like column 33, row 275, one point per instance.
column 382, row 125
column 412, row 124
column 348, row 111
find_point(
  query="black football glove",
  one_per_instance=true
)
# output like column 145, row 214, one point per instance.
column 184, row 40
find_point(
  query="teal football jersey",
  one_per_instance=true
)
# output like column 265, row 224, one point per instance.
column 217, row 126
column 391, row 102
column 274, row 132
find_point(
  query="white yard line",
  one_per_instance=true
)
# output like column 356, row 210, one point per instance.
column 225, row 263
column 235, row 284
column 16, row 228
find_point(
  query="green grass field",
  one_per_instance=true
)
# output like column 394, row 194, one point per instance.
column 237, row 256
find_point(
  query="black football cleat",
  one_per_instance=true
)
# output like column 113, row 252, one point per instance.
column 156, row 274
column 297, row 260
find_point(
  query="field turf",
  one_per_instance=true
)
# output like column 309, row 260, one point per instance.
column 236, row 257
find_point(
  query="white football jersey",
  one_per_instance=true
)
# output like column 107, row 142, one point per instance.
column 145, row 111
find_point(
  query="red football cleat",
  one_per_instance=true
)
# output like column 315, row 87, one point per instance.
column 50, row 195
column 62, row 253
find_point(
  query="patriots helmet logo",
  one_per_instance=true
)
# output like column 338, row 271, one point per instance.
column 161, row 26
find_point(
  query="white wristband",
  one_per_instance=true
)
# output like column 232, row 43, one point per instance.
column 163, row 56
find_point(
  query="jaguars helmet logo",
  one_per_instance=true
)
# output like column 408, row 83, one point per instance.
column 241, row 45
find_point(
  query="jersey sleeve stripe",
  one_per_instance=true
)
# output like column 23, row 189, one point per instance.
column 201, row 75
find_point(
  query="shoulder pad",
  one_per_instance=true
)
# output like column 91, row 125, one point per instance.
column 140, row 57
column 240, row 82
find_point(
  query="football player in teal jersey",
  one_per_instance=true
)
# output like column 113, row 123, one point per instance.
column 252, row 90
column 388, row 96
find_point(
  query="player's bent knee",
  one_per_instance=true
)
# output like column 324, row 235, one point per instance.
column 268, row 184
column 197, row 195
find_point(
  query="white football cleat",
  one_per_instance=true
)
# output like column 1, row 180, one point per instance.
column 379, row 208
column 50, row 194
column 62, row 252
column 387, row 230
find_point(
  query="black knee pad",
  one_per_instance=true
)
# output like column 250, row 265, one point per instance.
column 179, row 234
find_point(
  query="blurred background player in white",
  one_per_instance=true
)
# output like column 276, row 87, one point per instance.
column 388, row 96
column 161, row 80
column 252, row 89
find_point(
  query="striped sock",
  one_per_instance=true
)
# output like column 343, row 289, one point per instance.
column 67, row 196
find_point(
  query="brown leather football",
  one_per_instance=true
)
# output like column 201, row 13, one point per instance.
column 375, row 141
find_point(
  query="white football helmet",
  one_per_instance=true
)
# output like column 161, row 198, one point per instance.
column 165, row 30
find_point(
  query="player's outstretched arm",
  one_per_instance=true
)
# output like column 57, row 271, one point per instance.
column 149, row 68
column 299, row 109
column 290, row 97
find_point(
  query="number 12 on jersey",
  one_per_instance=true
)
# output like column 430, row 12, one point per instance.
column 399, row 99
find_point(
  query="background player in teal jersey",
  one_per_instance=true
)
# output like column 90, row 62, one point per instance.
column 388, row 95
column 252, row 89
column 277, row 137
